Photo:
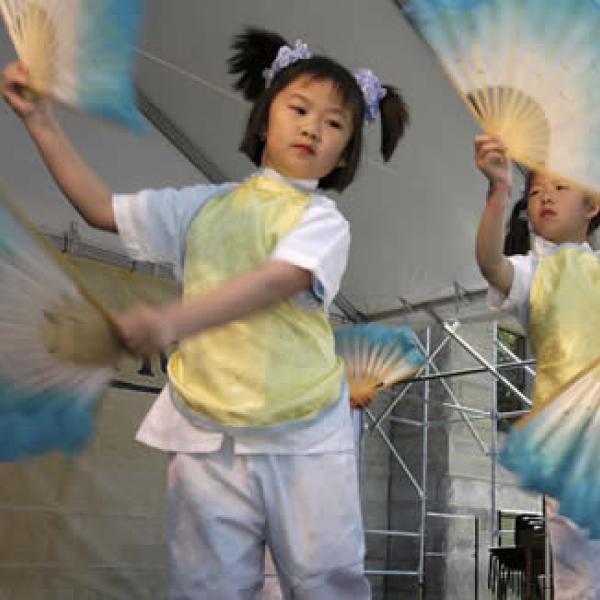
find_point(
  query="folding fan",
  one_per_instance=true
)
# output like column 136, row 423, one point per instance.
column 529, row 71
column 80, row 52
column 376, row 356
column 57, row 346
column 556, row 451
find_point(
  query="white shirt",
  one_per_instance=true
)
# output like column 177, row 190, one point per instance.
column 517, row 300
column 153, row 225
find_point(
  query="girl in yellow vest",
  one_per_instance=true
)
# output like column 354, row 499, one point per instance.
column 256, row 414
column 554, row 290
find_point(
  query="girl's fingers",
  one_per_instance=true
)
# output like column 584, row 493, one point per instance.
column 483, row 141
column 141, row 330
column 492, row 145
column 22, row 68
column 16, row 101
column 495, row 152
column 486, row 137
column 15, row 79
column 16, row 74
column 484, row 153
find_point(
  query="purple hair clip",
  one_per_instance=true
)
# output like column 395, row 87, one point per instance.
column 372, row 90
column 286, row 56
column 368, row 82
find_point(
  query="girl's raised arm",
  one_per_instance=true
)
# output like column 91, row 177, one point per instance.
column 491, row 159
column 84, row 189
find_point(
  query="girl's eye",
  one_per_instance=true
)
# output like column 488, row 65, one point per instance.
column 334, row 124
column 533, row 193
column 299, row 109
column 560, row 187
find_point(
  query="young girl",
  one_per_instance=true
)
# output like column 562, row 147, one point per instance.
column 553, row 290
column 256, row 413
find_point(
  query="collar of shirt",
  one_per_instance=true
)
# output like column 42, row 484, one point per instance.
column 542, row 246
column 307, row 184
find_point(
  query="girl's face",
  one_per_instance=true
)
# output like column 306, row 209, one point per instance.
column 308, row 129
column 557, row 211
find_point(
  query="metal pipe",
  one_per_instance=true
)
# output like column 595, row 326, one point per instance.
column 471, row 371
column 396, row 400
column 513, row 356
column 476, row 557
column 391, row 573
column 392, row 532
column 494, row 447
column 395, row 454
column 424, row 465
column 449, row 391
column 426, row 306
column 481, row 359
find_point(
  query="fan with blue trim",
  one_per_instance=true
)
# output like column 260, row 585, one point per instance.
column 58, row 346
column 79, row 52
column 529, row 71
column 376, row 356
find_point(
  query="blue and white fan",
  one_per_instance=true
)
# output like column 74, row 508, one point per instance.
column 58, row 346
column 79, row 52
column 529, row 71
column 376, row 356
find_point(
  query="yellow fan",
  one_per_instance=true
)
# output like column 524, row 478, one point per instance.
column 79, row 52
column 529, row 70
column 376, row 356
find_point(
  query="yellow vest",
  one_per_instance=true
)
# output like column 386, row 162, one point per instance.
column 275, row 365
column 564, row 321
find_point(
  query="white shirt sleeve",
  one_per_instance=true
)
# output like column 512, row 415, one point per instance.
column 517, row 300
column 319, row 243
column 152, row 224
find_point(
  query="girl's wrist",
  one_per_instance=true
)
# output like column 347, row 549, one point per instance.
column 41, row 118
column 498, row 196
column 499, row 186
column 168, row 330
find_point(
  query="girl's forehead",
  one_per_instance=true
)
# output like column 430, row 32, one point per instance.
column 538, row 178
column 314, row 87
column 542, row 179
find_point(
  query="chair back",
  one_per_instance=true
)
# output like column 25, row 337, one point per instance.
column 529, row 530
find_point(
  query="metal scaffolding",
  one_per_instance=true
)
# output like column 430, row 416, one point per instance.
column 373, row 424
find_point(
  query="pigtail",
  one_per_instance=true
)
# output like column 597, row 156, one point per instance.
column 394, row 120
column 517, row 238
column 254, row 51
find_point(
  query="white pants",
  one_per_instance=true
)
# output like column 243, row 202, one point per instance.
column 575, row 558
column 222, row 509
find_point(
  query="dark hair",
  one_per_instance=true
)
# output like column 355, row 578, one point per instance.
column 517, row 240
column 255, row 50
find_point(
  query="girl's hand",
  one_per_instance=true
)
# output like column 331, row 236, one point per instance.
column 491, row 159
column 14, row 87
column 145, row 330
column 360, row 401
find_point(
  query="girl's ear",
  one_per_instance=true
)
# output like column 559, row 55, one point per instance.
column 593, row 208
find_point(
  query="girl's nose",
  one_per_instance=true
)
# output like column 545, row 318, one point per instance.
column 312, row 132
column 546, row 196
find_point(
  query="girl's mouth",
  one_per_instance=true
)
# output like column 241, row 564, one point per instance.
column 548, row 212
column 305, row 149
